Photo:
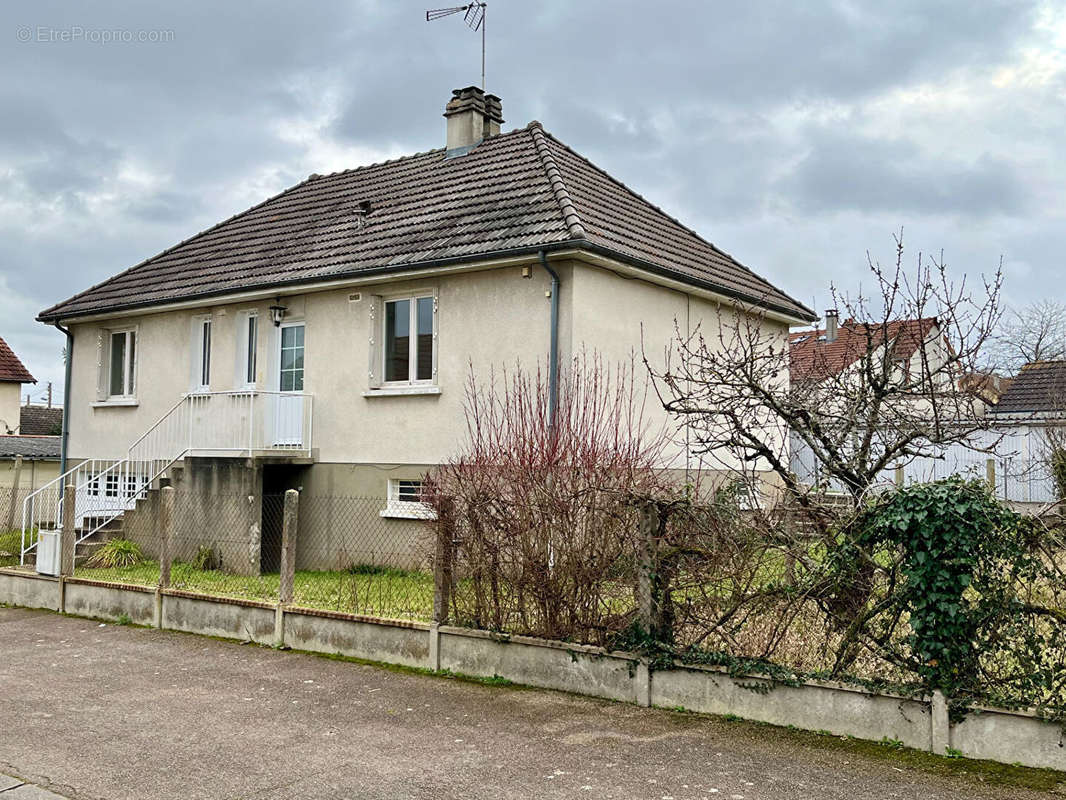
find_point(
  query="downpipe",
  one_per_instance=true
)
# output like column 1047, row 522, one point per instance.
column 65, row 436
column 553, row 351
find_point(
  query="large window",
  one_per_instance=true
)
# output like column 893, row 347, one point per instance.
column 292, row 358
column 409, row 340
column 122, row 364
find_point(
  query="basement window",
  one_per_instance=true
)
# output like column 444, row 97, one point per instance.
column 405, row 500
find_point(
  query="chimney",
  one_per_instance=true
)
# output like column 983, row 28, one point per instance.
column 472, row 116
column 832, row 317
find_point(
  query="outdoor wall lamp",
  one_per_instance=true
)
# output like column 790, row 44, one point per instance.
column 277, row 314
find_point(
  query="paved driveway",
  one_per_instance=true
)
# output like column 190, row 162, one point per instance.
column 114, row 712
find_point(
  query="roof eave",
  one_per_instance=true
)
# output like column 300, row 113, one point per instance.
column 55, row 314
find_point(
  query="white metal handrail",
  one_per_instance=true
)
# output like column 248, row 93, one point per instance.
column 238, row 422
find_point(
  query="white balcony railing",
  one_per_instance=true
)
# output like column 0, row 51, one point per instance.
column 200, row 424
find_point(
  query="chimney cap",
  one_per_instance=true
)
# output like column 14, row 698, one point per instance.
column 832, row 312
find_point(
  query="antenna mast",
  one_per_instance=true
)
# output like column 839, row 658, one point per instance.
column 474, row 16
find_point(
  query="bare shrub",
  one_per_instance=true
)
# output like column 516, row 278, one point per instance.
column 541, row 504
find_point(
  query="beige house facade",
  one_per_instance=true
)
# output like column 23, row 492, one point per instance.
column 324, row 339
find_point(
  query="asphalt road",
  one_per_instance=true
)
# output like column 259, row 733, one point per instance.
column 92, row 711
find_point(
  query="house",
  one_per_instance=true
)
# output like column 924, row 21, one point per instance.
column 1029, row 422
column 322, row 338
column 12, row 375
column 26, row 463
column 836, row 351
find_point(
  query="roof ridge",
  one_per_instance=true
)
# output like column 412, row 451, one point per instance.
column 555, row 177
column 668, row 215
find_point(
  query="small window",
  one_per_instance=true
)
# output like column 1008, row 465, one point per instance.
column 405, row 500
column 122, row 363
column 204, row 372
column 409, row 343
column 251, row 337
column 111, row 485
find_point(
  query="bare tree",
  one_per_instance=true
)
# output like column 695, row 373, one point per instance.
column 885, row 392
column 1036, row 332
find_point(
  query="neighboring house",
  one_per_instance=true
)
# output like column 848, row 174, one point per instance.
column 40, row 420
column 12, row 375
column 834, row 351
column 1030, row 421
column 39, row 458
column 323, row 338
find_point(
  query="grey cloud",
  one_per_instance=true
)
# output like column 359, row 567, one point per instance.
column 867, row 174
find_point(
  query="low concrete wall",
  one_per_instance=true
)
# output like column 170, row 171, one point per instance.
column 399, row 643
column 837, row 708
column 230, row 619
column 995, row 734
column 29, row 590
column 1010, row 737
column 110, row 602
column 550, row 665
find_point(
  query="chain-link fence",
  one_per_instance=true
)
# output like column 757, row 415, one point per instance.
column 356, row 555
column 11, row 538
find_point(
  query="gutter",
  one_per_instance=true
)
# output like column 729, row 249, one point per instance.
column 553, row 350
column 66, row 398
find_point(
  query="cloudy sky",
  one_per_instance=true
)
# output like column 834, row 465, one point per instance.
column 796, row 136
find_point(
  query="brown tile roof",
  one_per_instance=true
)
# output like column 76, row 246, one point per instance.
column 513, row 193
column 1040, row 387
column 11, row 369
column 40, row 421
column 811, row 357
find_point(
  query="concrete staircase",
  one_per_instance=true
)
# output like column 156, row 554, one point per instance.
column 137, row 523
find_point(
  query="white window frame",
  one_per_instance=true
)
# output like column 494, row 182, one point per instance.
column 296, row 323
column 412, row 358
column 247, row 350
column 396, row 507
column 204, row 342
column 129, row 363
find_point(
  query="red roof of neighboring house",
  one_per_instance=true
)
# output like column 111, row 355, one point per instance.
column 811, row 357
column 11, row 369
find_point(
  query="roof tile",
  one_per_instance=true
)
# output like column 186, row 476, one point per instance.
column 519, row 190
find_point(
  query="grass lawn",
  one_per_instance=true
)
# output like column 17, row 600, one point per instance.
column 11, row 547
column 372, row 591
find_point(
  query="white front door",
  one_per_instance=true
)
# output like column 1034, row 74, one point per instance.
column 289, row 410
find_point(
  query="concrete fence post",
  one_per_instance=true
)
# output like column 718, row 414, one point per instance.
column 990, row 474
column 899, row 477
column 67, row 535
column 286, row 583
column 939, row 724
column 652, row 582
column 442, row 568
column 10, row 526
column 443, row 563
column 164, row 525
column 166, row 535
column 68, row 542
column 289, row 523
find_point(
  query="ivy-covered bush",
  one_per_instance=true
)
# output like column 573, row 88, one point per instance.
column 978, row 590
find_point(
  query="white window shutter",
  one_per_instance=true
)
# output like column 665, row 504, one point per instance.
column 375, row 335
column 436, row 333
column 103, row 360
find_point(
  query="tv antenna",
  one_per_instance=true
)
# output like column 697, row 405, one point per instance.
column 474, row 16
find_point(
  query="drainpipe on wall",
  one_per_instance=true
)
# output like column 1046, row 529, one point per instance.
column 66, row 398
column 553, row 351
